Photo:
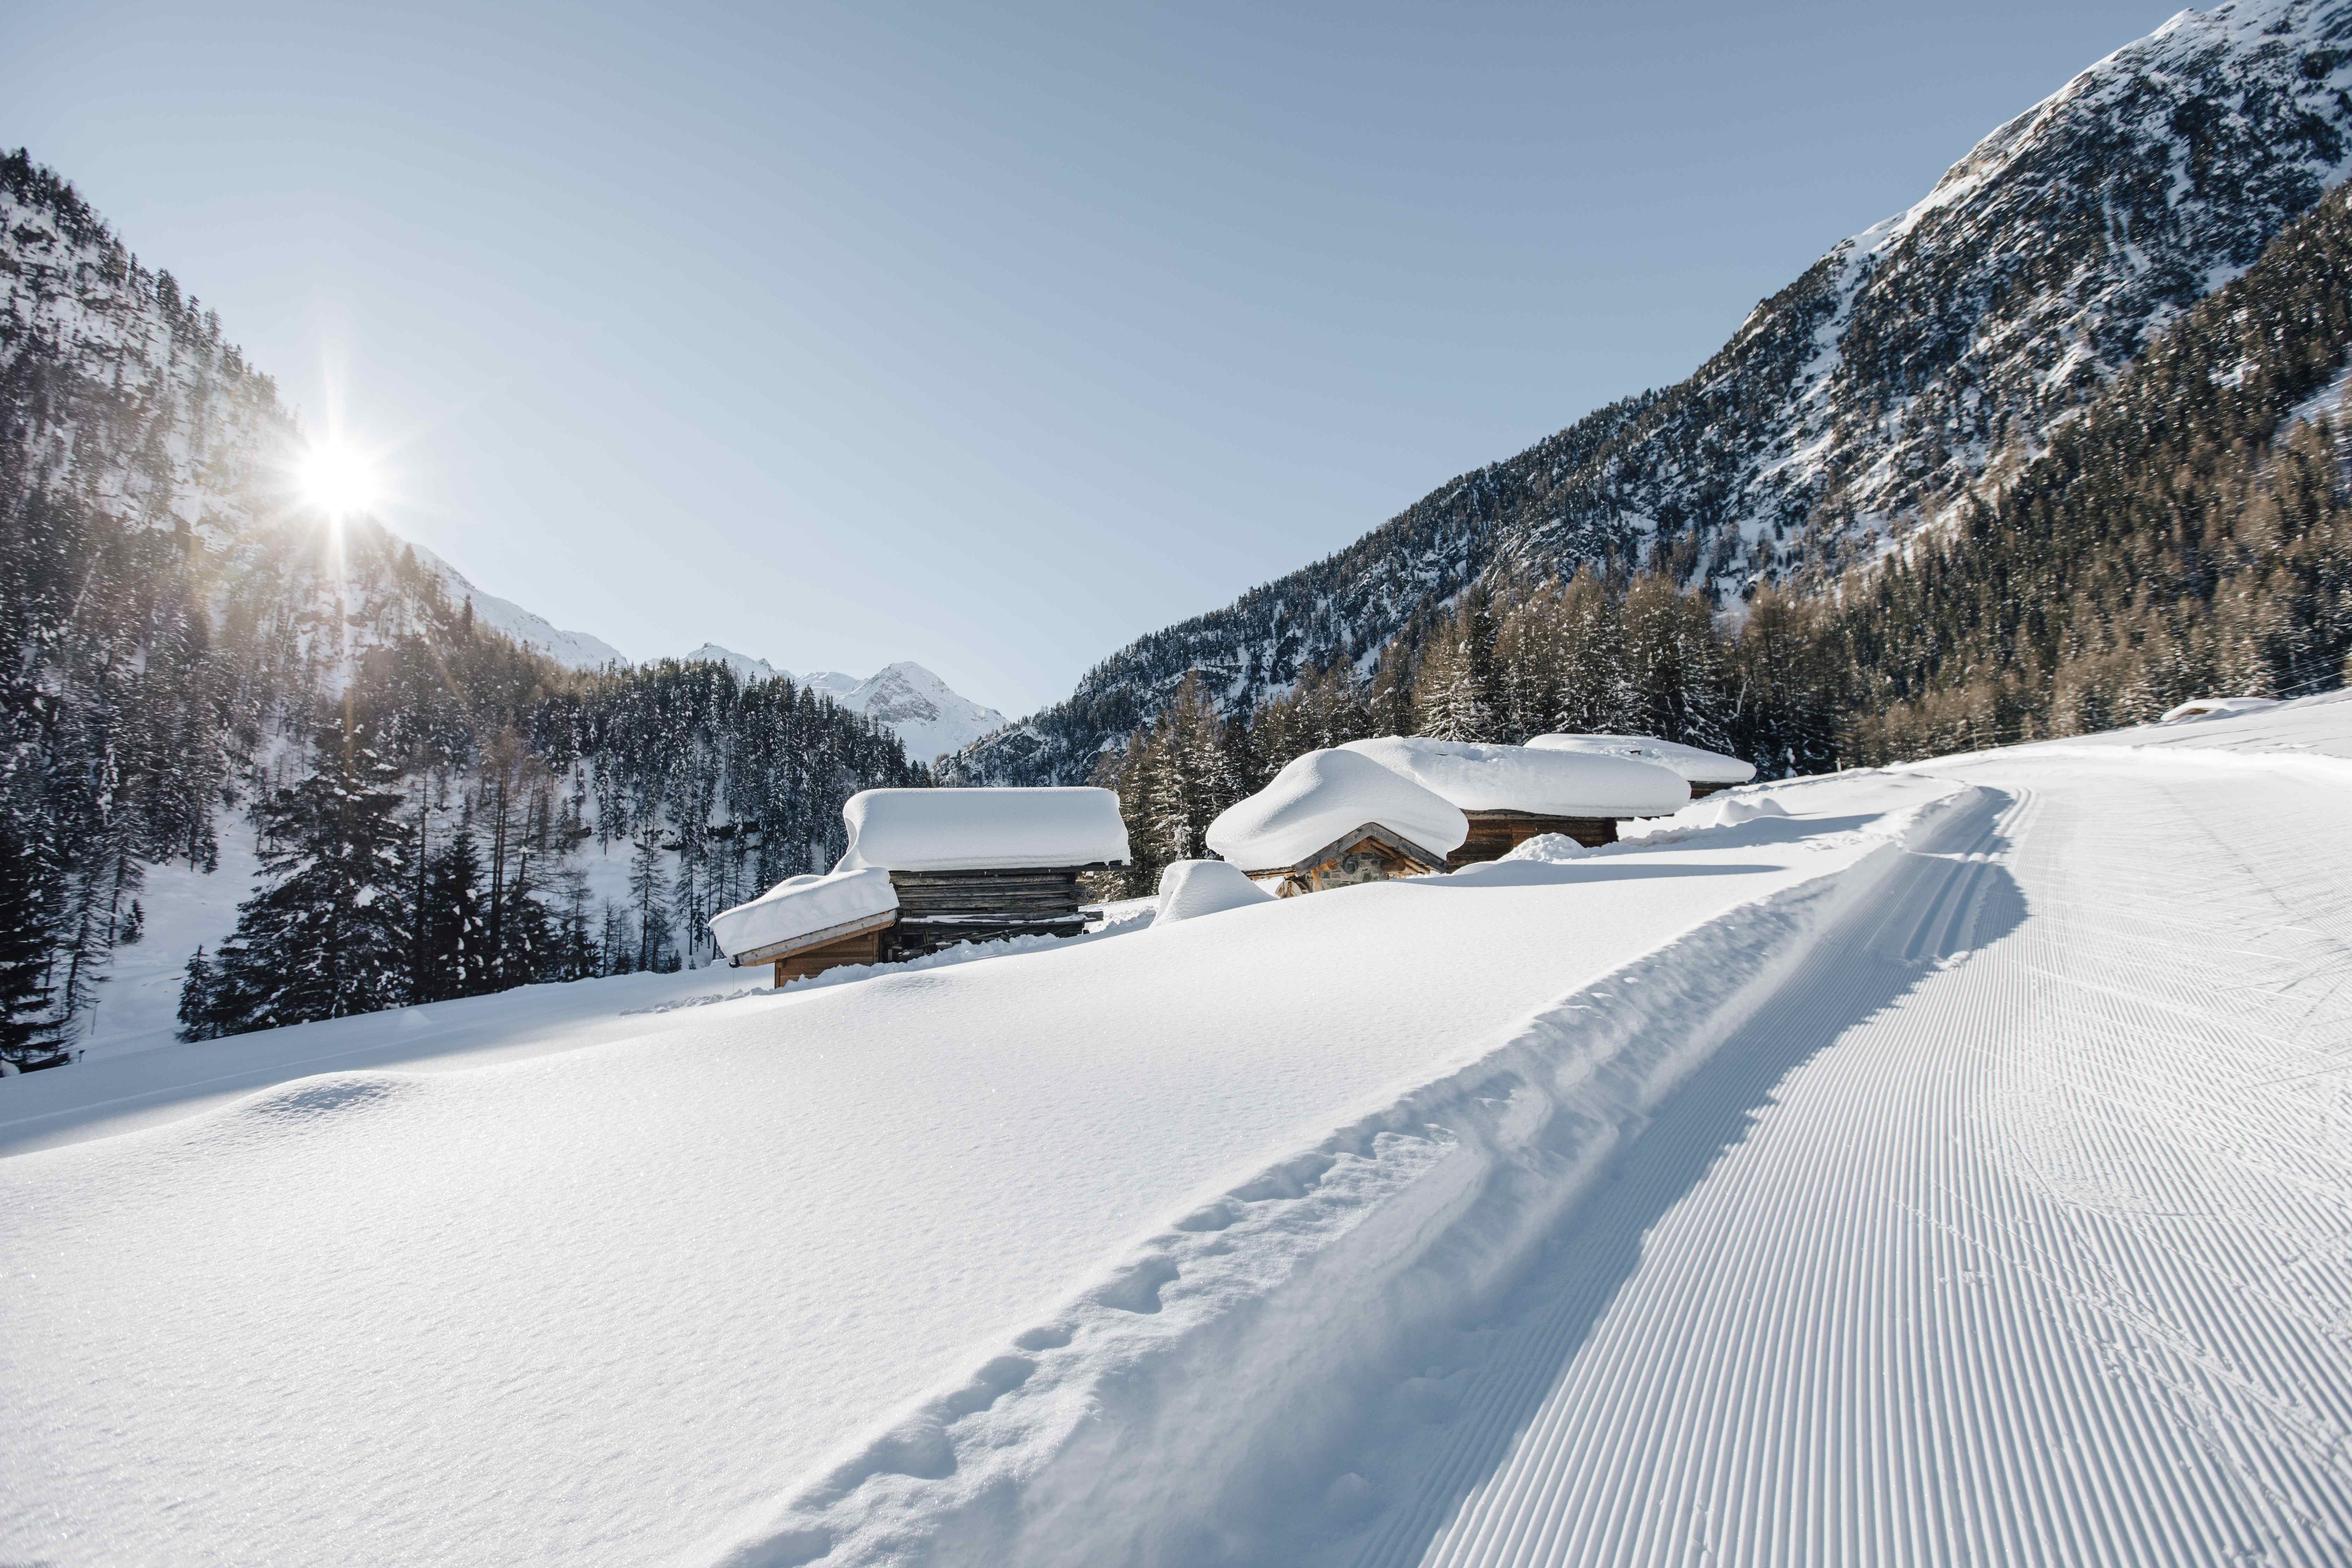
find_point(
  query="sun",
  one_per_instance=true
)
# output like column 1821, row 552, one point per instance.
column 337, row 480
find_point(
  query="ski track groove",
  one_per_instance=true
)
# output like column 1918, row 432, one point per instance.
column 2043, row 1261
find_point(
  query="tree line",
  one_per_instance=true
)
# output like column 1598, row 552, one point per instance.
column 2190, row 534
column 420, row 787
column 414, row 863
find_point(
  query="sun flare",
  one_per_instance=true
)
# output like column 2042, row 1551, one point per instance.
column 337, row 480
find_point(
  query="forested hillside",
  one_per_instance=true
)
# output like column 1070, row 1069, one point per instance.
column 193, row 653
column 1919, row 365
column 2189, row 532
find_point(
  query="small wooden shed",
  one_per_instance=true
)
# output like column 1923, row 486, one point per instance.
column 807, row 925
column 1512, row 793
column 977, row 865
column 1335, row 819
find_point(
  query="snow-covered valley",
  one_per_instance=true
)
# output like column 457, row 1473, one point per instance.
column 1951, row 1170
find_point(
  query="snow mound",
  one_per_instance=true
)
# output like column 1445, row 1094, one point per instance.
column 981, row 829
column 1189, row 888
column 1695, row 764
column 2216, row 707
column 1546, row 849
column 801, row 906
column 1731, row 811
column 1318, row 797
column 1516, row 778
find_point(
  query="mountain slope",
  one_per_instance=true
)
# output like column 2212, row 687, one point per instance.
column 573, row 650
column 1917, row 361
column 187, row 643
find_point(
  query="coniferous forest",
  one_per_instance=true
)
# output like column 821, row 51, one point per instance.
column 192, row 656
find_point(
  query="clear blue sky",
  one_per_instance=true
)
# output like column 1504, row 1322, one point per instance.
column 987, row 338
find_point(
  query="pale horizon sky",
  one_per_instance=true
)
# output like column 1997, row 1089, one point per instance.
column 988, row 339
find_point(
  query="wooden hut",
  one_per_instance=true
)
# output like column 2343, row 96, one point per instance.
column 927, row 868
column 975, row 865
column 1706, row 772
column 807, row 925
column 1510, row 793
column 1334, row 819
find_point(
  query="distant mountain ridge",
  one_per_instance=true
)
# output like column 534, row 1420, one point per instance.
column 929, row 717
column 1928, row 356
column 575, row 651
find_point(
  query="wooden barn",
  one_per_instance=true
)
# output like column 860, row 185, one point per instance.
column 1706, row 772
column 927, row 868
column 1334, row 819
column 1512, row 793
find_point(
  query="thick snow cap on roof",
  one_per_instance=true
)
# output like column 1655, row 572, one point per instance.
column 1318, row 797
column 1516, row 778
column 2217, row 708
column 981, row 829
column 802, row 906
column 1695, row 764
column 1189, row 888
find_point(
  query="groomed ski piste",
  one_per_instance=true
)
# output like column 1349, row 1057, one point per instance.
column 1945, row 1164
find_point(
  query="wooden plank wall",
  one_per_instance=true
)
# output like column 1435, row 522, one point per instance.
column 940, row 909
column 1494, row 834
column 863, row 948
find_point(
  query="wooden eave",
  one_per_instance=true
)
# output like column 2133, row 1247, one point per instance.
column 776, row 950
column 1396, row 843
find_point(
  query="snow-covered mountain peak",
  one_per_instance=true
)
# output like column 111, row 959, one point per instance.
column 929, row 715
column 831, row 683
column 747, row 668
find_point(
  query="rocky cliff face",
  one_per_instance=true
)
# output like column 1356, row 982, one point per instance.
column 1929, row 356
column 124, row 385
column 121, row 400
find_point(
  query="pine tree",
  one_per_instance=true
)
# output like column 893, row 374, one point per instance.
column 456, row 957
column 1675, row 658
column 327, row 934
column 199, row 1011
column 1528, row 656
column 648, row 900
column 1595, row 692
column 617, row 944
column 1451, row 690
column 1389, row 708
column 27, row 1031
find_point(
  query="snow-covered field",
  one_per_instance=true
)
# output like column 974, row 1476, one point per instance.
column 1952, row 1170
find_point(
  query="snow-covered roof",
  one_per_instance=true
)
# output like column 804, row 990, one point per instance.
column 1695, row 764
column 804, row 906
column 1189, row 888
column 1317, row 798
column 2217, row 708
column 1516, row 778
column 981, row 829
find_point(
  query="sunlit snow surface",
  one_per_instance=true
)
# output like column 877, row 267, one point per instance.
column 1954, row 1169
